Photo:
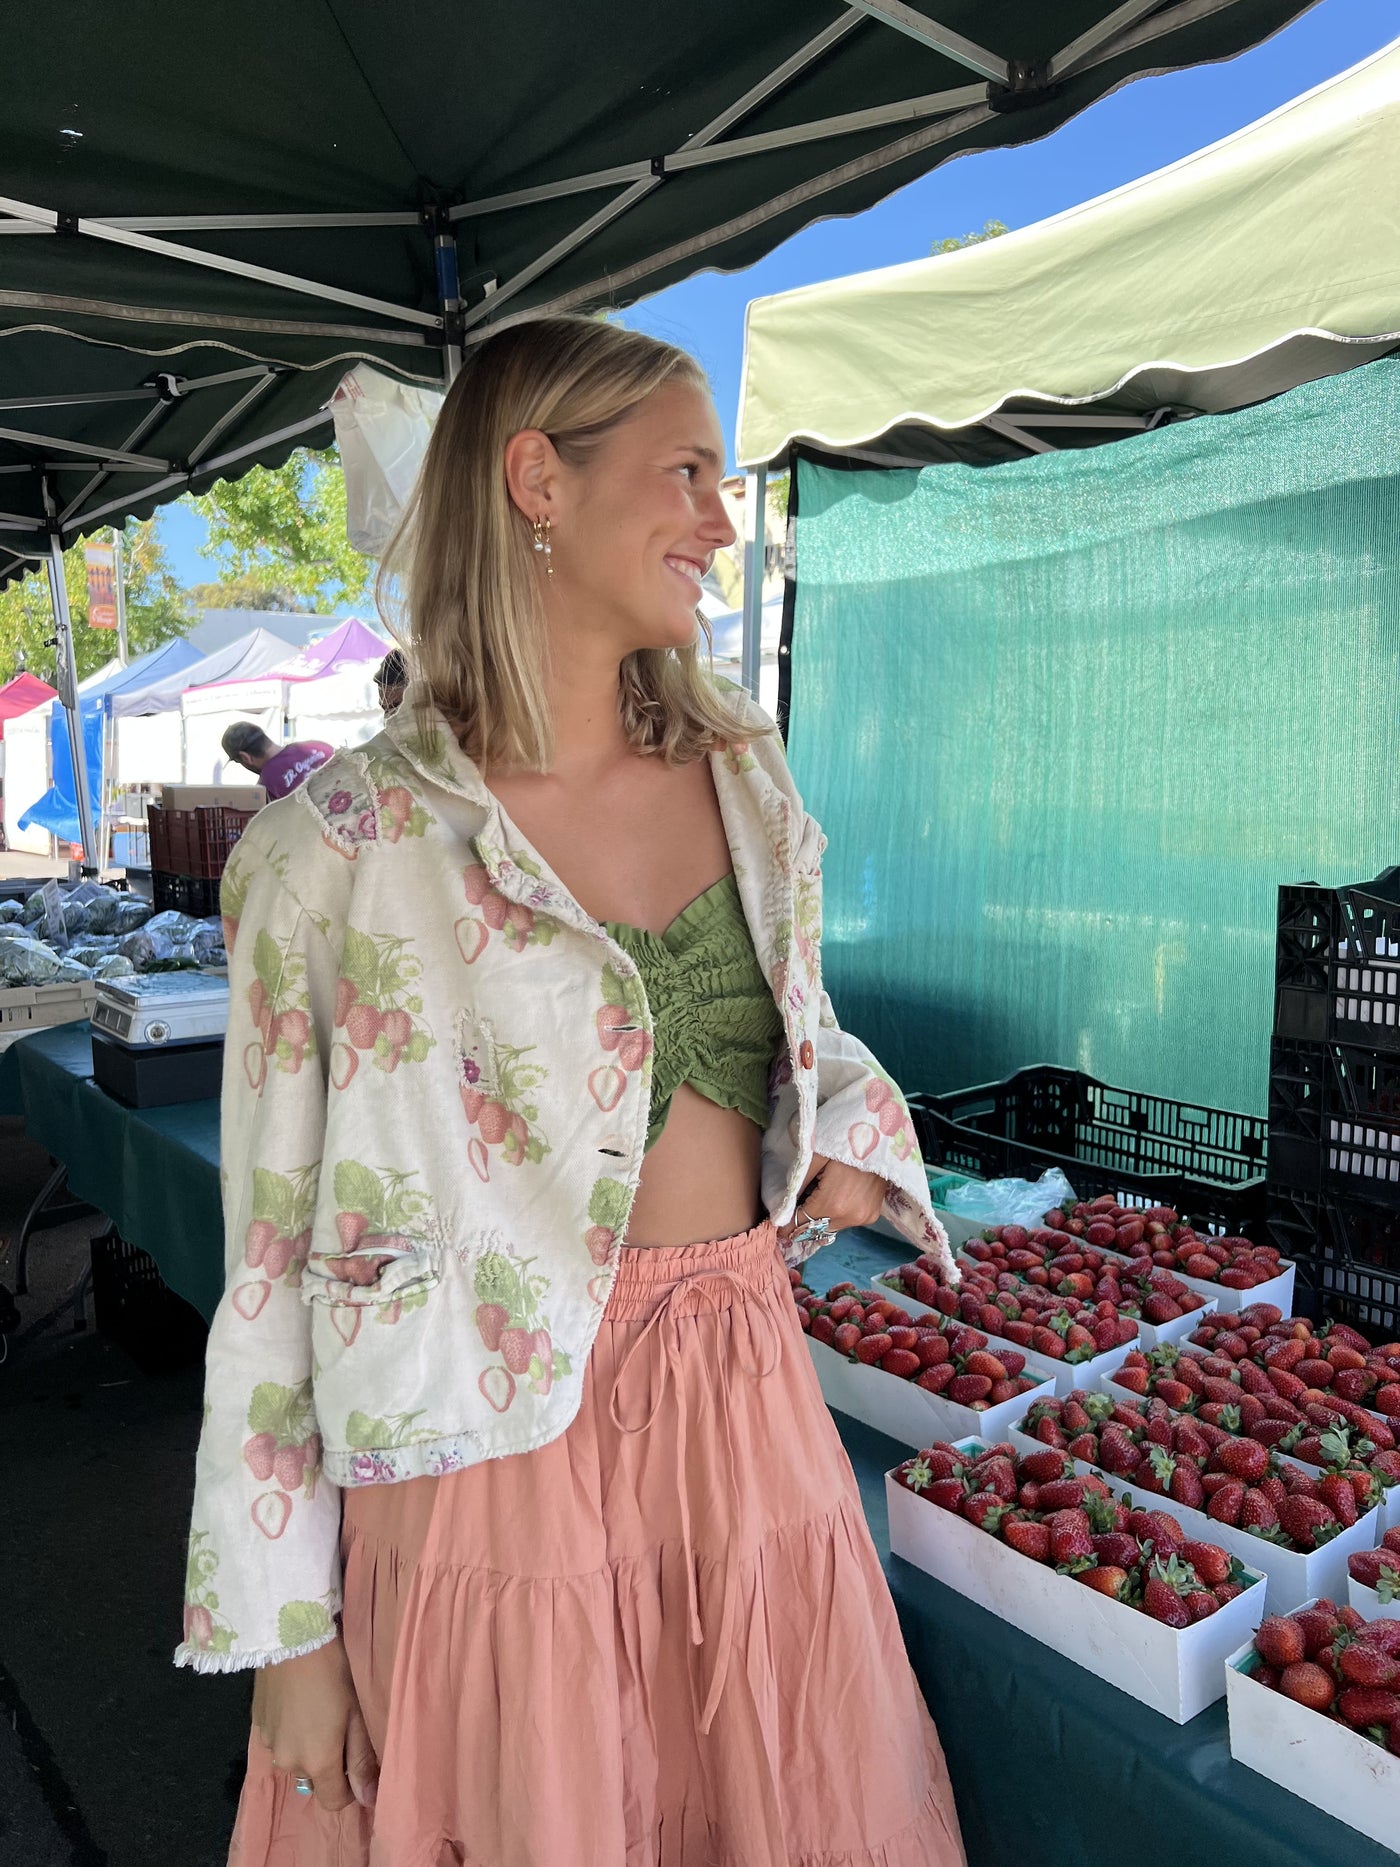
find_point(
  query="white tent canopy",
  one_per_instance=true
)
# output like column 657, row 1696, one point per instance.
column 1263, row 261
column 251, row 655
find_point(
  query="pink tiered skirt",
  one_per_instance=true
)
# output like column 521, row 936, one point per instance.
column 662, row 1640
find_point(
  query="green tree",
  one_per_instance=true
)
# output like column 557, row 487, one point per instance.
column 279, row 533
column 991, row 230
column 156, row 608
column 248, row 593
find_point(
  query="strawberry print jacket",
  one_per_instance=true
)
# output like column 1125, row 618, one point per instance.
column 435, row 1105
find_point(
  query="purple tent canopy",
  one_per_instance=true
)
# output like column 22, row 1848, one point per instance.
column 354, row 641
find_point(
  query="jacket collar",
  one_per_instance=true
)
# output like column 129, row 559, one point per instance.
column 756, row 811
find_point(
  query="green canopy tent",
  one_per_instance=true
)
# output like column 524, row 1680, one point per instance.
column 211, row 217
column 1110, row 695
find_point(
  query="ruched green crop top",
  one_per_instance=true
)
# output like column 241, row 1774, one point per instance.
column 714, row 1021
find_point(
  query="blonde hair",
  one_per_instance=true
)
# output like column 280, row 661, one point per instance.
column 462, row 575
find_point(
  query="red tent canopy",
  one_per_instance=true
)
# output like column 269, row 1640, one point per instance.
column 20, row 695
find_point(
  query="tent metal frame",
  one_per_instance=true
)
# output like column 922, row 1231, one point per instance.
column 1002, row 80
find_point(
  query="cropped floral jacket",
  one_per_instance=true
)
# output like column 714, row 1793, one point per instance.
column 435, row 1106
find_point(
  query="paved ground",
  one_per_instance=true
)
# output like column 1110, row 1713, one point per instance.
column 109, row 1756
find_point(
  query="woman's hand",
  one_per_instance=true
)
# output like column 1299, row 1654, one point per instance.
column 307, row 1714
column 845, row 1195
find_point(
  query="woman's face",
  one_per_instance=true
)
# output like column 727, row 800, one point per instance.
column 636, row 528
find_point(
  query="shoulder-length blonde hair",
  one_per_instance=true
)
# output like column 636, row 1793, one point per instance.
column 459, row 582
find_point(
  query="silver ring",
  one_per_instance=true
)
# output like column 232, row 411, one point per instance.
column 303, row 1786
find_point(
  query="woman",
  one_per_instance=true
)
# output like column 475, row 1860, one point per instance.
column 515, row 1483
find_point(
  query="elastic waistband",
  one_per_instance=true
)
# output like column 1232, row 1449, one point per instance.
column 645, row 1273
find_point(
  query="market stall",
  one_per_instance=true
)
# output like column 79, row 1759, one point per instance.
column 1107, row 696
column 147, row 723
column 18, row 773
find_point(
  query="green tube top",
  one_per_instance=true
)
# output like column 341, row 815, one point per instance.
column 714, row 1021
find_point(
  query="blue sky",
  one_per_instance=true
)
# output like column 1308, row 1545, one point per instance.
column 1143, row 127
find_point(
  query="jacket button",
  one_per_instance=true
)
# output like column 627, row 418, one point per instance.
column 806, row 1056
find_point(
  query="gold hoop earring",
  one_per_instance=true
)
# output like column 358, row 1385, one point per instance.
column 542, row 529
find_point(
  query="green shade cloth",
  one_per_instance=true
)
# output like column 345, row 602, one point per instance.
column 154, row 1172
column 567, row 154
column 1070, row 721
column 716, row 1025
column 1051, row 1766
column 1243, row 270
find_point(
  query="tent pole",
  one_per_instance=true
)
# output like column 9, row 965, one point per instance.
column 67, row 675
column 449, row 299
column 755, row 540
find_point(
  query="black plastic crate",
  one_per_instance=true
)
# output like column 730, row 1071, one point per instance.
column 165, row 890
column 1334, row 1120
column 196, row 896
column 137, row 1309
column 1347, row 1252
column 1337, row 963
column 1143, row 1149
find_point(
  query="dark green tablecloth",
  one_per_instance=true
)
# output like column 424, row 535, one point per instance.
column 11, row 1096
column 1052, row 1767
column 154, row 1172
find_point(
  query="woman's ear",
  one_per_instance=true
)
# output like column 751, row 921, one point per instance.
column 532, row 473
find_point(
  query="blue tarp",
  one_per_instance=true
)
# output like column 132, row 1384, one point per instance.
column 57, row 810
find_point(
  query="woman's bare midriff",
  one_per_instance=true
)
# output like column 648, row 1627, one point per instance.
column 640, row 846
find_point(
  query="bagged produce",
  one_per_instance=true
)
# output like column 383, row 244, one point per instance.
column 28, row 962
column 172, row 922
column 130, row 913
column 11, row 911
column 70, row 972
column 102, row 909
column 75, row 918
column 208, row 939
column 92, row 948
column 113, row 966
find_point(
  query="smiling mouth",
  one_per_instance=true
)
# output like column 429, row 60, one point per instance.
column 689, row 568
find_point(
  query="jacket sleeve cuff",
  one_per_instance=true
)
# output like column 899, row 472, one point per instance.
column 202, row 1660
column 863, row 1121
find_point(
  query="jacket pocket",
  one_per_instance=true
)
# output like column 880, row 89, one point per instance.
column 379, row 1270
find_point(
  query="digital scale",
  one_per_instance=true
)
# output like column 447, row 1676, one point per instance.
column 162, row 1008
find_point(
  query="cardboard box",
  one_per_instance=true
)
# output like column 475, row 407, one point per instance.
column 1065, row 1374
column 211, row 796
column 1315, row 1758
column 1174, row 1672
column 906, row 1412
column 1293, row 1575
column 1368, row 1603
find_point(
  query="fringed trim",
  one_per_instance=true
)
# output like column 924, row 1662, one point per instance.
column 201, row 1661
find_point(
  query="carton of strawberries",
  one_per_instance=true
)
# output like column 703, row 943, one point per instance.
column 1119, row 1589
column 1336, row 1365
column 1314, row 1705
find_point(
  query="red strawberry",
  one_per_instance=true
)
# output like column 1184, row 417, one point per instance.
column 1242, row 1458
column 1280, row 1642
column 823, row 1330
column 1367, row 1564
column 1309, row 1685
column 935, row 1380
column 965, row 1389
column 1043, row 1467
column 1200, row 1604
column 1210, row 1562
column 873, row 1348
column 1070, row 1536
column 846, row 1337
column 1364, row 1664
column 947, row 1493
column 901, row 1362
column 985, row 1509
column 1301, row 1518
column 1186, row 1488
column 1227, row 1503
column 1256, row 1512
column 1336, row 1492
column 1365, row 1705
column 1163, row 1603
column 1030, row 1539
column 1060, row 1494
column 1106, row 1579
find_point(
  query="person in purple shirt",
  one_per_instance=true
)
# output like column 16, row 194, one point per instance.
column 278, row 769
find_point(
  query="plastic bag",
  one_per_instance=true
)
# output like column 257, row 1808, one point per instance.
column 70, row 972
column 11, row 911
column 28, row 962
column 1010, row 1202
column 130, row 913
column 102, row 910
column 113, row 966
column 208, row 940
column 171, row 922
column 75, row 919
column 382, row 428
